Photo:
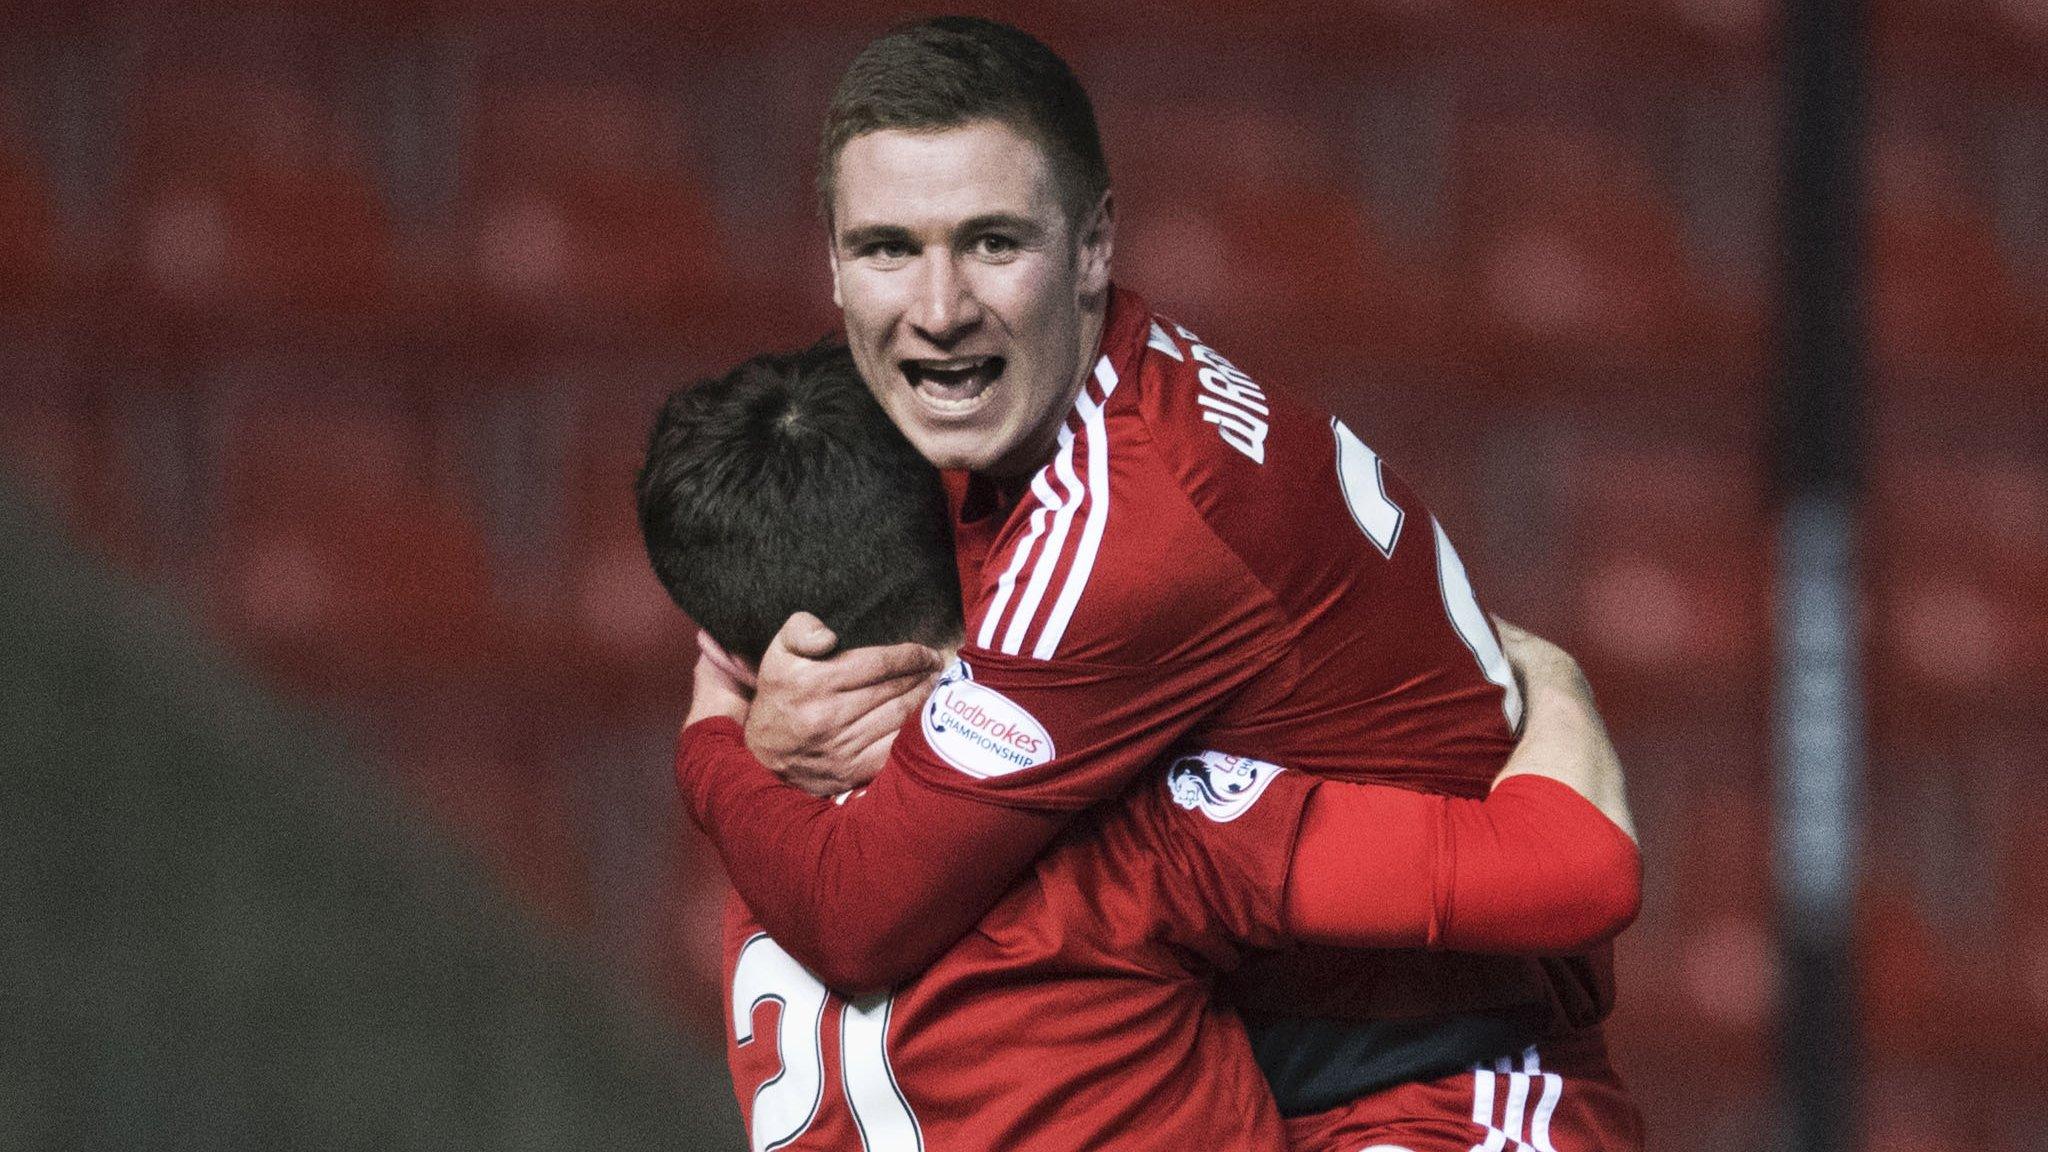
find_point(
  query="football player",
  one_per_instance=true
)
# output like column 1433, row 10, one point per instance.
column 1079, row 1012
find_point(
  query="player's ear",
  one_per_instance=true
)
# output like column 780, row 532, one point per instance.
column 742, row 674
column 1098, row 243
column 832, row 257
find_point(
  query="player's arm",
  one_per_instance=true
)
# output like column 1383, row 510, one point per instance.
column 1547, row 863
column 1566, row 741
column 760, row 817
column 867, row 893
column 828, row 717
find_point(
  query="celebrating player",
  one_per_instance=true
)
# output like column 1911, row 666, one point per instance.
column 1156, row 550
column 1078, row 1014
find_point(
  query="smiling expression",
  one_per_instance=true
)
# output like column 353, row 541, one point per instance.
column 972, row 304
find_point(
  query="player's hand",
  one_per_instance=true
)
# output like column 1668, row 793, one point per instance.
column 823, row 720
column 720, row 686
column 1562, row 734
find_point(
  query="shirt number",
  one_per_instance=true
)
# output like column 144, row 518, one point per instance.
column 1365, row 492
column 786, row 1105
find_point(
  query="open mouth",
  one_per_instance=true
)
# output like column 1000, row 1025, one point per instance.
column 952, row 385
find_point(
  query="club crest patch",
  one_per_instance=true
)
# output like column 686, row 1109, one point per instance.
column 1222, row 787
column 979, row 730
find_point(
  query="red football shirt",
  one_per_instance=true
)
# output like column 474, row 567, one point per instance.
column 1205, row 560
column 1077, row 1014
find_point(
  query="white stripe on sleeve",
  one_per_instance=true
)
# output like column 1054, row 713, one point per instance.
column 1008, row 584
column 1098, row 514
column 1482, row 1111
column 1553, row 1090
column 1055, row 545
column 1511, row 1113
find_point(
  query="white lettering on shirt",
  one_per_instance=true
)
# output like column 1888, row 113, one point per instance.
column 1230, row 401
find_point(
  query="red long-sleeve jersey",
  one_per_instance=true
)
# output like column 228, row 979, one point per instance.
column 1204, row 560
column 1079, row 1013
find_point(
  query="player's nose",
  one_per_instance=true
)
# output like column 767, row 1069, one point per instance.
column 945, row 308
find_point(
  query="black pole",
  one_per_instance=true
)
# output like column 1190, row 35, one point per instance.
column 1819, row 706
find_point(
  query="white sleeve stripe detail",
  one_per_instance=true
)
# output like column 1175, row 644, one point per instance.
column 1008, row 584
column 1098, row 515
column 1508, row 1133
column 1553, row 1090
column 1105, row 375
column 1483, row 1086
column 1059, row 511
column 1055, row 544
column 1511, row 1113
column 1482, row 1097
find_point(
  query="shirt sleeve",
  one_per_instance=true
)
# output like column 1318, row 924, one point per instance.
column 1261, row 857
column 865, row 893
column 1003, row 754
column 1534, row 868
column 1064, row 734
column 1224, row 830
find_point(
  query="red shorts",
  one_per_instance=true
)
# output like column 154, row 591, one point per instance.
column 1559, row 1096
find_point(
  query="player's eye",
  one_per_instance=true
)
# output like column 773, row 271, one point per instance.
column 995, row 245
column 886, row 250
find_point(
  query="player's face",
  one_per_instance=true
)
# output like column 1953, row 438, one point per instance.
column 972, row 304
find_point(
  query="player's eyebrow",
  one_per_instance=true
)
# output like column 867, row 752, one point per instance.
column 1023, row 228
column 860, row 237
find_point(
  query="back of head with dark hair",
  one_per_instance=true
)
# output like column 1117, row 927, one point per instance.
column 781, row 486
column 955, row 70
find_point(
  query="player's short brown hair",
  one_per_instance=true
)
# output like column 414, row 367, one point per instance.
column 950, row 71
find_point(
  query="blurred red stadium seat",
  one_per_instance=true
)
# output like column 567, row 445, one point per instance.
column 30, row 236
column 1942, row 290
column 52, row 452
column 1737, row 23
column 1981, row 44
column 2027, row 20
column 2025, row 883
column 621, row 613
column 1312, row 32
column 245, row 194
column 1703, row 992
column 1244, row 219
column 1574, row 252
column 1670, row 581
column 338, row 567
column 581, row 210
column 1650, row 44
column 1960, row 557
column 1699, row 971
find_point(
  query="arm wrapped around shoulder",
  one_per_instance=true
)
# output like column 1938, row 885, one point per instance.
column 864, row 894
column 1532, row 869
column 1537, row 868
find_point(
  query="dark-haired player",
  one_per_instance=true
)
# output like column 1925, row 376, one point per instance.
column 1078, row 1014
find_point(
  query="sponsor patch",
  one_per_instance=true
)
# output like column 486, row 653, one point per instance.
column 1222, row 787
column 979, row 730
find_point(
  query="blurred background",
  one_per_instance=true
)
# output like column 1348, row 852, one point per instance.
column 339, row 700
